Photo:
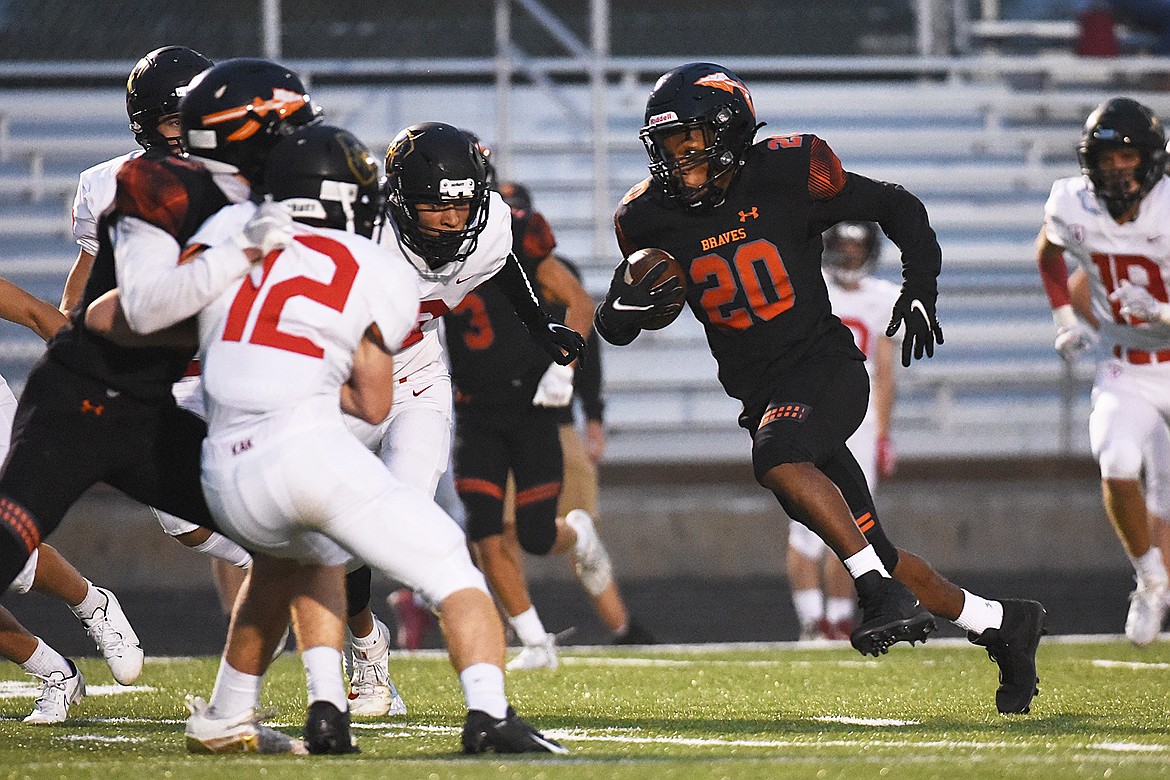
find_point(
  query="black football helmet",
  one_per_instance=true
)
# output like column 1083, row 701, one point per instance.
column 325, row 176
column 236, row 111
column 848, row 265
column 1122, row 123
column 153, row 91
column 701, row 96
column 486, row 151
column 436, row 163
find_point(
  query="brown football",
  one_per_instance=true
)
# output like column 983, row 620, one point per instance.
column 640, row 263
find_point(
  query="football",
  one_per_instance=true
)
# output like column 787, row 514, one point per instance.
column 640, row 263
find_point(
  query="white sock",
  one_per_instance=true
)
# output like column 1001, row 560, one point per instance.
column 219, row 546
column 865, row 561
column 323, row 676
column 374, row 645
column 979, row 614
column 1150, row 567
column 94, row 599
column 234, row 693
column 45, row 660
column 838, row 609
column 483, row 688
column 528, row 627
column 809, row 604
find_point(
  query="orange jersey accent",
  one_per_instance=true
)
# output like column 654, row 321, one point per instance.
column 826, row 177
column 152, row 191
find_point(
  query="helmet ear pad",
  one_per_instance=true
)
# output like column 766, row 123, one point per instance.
column 436, row 164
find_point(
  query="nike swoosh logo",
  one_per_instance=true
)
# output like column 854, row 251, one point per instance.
column 619, row 306
column 464, row 279
column 916, row 305
column 417, row 393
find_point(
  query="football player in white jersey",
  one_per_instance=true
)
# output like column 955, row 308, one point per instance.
column 153, row 91
column 861, row 301
column 46, row 571
column 1111, row 220
column 456, row 232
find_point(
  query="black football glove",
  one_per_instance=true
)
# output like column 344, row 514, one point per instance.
column 922, row 328
column 562, row 343
column 628, row 305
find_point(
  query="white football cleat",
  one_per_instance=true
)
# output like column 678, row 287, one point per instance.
column 593, row 567
column 57, row 693
column 1147, row 610
column 115, row 639
column 542, row 656
column 241, row 734
column 372, row 693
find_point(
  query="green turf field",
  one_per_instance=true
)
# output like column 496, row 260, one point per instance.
column 772, row 711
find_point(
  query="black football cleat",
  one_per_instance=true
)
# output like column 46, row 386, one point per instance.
column 327, row 730
column 483, row 733
column 1013, row 646
column 890, row 613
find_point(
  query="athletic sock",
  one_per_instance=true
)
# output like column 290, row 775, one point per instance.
column 809, row 604
column 1150, row 567
column 483, row 688
column 374, row 645
column 235, row 692
column 528, row 627
column 979, row 614
column 219, row 546
column 323, row 676
column 94, row 599
column 865, row 561
column 45, row 660
column 838, row 609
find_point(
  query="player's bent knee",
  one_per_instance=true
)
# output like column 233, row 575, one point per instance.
column 537, row 535
column 1120, row 461
column 27, row 575
column 453, row 573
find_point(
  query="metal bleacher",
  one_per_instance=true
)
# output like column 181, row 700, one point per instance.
column 980, row 153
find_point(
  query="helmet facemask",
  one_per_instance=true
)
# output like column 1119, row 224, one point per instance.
column 721, row 152
column 1122, row 123
column 442, row 251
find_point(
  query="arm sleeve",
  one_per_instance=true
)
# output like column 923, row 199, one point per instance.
column 902, row 218
column 513, row 282
column 587, row 382
column 157, row 290
column 84, row 220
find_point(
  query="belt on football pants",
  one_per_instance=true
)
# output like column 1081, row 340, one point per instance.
column 1140, row 357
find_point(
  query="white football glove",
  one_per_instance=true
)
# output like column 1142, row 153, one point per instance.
column 270, row 228
column 555, row 388
column 1137, row 302
column 1073, row 336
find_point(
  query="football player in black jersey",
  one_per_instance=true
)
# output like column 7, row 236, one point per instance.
column 744, row 219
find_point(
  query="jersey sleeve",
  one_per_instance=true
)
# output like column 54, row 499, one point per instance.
column 538, row 241
column 826, row 176
column 394, row 297
column 84, row 219
column 1055, row 223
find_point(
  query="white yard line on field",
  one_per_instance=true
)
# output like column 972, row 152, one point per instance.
column 21, row 689
column 1105, row 663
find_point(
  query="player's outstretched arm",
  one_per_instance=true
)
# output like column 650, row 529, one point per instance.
column 368, row 394
column 75, row 282
column 20, row 307
column 563, row 344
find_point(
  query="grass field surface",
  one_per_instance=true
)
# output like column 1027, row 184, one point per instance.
column 767, row 711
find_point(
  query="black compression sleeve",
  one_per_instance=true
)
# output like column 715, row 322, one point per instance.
column 513, row 282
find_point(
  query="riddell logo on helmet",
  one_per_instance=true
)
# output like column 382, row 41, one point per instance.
column 283, row 102
column 457, row 189
column 661, row 119
column 726, row 83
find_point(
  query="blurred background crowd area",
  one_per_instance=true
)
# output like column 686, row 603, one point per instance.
column 976, row 106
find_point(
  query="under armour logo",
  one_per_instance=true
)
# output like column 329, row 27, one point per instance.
column 88, row 407
column 754, row 214
column 241, row 446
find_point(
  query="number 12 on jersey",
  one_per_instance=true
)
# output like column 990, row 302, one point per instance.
column 266, row 330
